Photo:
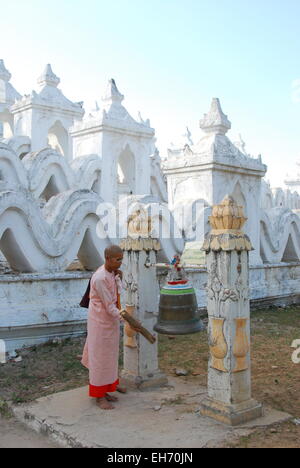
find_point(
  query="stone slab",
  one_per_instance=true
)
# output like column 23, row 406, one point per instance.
column 157, row 379
column 233, row 415
column 158, row 418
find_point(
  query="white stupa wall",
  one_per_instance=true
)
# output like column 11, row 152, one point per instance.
column 214, row 168
column 123, row 144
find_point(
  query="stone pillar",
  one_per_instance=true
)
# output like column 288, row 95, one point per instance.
column 140, row 367
column 229, row 376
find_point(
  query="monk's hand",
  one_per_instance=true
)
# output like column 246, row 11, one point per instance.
column 119, row 273
column 121, row 316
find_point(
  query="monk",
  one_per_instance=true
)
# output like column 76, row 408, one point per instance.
column 101, row 351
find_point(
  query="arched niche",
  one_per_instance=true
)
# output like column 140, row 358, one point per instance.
column 88, row 254
column 13, row 253
column 7, row 123
column 268, row 202
column 96, row 187
column 126, row 172
column 58, row 138
column 290, row 252
column 279, row 198
column 51, row 190
column 22, row 151
column 239, row 198
column 22, row 155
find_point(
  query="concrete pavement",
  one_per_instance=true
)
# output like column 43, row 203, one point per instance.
column 157, row 418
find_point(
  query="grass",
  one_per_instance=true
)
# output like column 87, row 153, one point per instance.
column 5, row 411
column 185, row 352
column 45, row 369
column 285, row 435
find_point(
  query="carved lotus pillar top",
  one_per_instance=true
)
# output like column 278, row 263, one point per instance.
column 227, row 216
column 139, row 226
column 227, row 221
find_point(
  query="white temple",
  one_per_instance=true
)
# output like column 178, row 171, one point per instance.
column 57, row 164
column 293, row 181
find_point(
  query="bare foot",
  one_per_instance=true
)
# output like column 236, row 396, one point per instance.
column 111, row 397
column 122, row 389
column 104, row 404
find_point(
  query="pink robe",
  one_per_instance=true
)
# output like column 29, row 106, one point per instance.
column 101, row 351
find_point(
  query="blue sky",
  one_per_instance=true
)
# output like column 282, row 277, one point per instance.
column 169, row 58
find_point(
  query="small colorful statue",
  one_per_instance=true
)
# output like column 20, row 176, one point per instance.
column 177, row 273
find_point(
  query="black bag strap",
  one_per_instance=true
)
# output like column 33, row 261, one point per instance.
column 85, row 301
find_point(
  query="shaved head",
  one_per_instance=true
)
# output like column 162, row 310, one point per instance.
column 113, row 251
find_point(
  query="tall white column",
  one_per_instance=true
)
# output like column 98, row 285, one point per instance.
column 140, row 367
column 229, row 375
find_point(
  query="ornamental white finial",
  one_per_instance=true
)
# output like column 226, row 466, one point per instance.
column 215, row 121
column 96, row 107
column 240, row 144
column 48, row 78
column 4, row 73
column 112, row 93
column 188, row 137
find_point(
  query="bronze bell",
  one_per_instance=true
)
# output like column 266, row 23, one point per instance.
column 178, row 310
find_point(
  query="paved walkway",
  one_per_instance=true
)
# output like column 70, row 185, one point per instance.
column 161, row 418
column 14, row 434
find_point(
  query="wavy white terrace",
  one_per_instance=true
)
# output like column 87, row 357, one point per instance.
column 59, row 162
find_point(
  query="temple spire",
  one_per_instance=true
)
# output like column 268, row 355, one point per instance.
column 4, row 73
column 188, row 137
column 96, row 107
column 240, row 144
column 112, row 93
column 48, row 78
column 215, row 121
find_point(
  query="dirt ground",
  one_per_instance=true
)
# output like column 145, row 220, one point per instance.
column 275, row 378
